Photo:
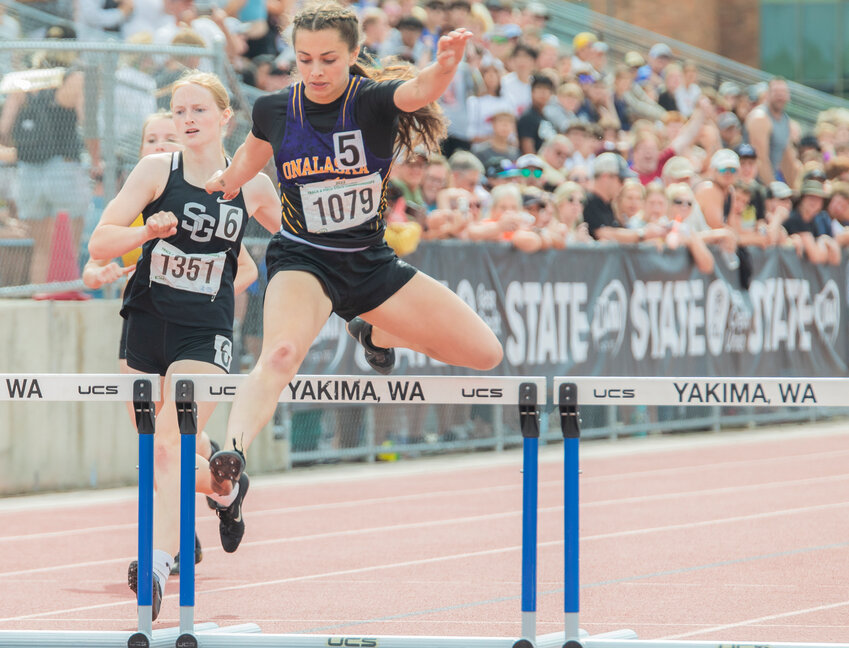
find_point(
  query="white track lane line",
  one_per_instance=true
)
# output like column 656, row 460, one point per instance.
column 757, row 620
column 383, row 501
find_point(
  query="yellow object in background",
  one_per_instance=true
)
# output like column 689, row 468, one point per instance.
column 132, row 256
column 403, row 237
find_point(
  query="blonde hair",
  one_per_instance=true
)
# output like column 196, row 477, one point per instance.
column 161, row 114
column 679, row 190
column 566, row 191
column 205, row 80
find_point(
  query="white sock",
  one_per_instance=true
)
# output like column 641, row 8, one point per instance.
column 225, row 500
column 162, row 562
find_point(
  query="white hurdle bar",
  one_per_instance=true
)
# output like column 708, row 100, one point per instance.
column 572, row 391
column 143, row 390
column 528, row 393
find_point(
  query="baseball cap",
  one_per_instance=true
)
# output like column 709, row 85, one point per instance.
column 778, row 189
column 727, row 120
column 746, row 151
column 677, row 168
column 612, row 163
column 634, row 59
column 813, row 188
column 510, row 30
column 660, row 49
column 537, row 9
column 529, row 160
column 59, row 32
column 500, row 166
column 600, row 46
column 583, row 39
column 730, row 89
column 724, row 159
column 809, row 141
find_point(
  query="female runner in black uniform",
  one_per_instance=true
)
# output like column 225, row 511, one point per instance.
column 159, row 135
column 179, row 302
column 332, row 136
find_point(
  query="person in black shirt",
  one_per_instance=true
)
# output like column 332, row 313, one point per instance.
column 179, row 303
column 609, row 170
column 333, row 136
column 532, row 127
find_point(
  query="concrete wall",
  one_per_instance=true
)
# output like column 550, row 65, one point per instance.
column 61, row 446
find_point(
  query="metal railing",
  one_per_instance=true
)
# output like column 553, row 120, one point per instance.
column 568, row 19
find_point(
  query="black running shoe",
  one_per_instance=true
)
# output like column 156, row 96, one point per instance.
column 231, row 525
column 209, row 501
column 175, row 568
column 380, row 359
column 226, row 466
column 133, row 580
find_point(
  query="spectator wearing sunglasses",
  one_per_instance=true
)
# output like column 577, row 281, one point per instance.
column 569, row 199
column 531, row 169
column 680, row 233
column 715, row 194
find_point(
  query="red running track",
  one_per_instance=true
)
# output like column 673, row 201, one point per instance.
column 738, row 536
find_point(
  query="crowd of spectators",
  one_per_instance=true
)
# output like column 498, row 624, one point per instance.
column 550, row 143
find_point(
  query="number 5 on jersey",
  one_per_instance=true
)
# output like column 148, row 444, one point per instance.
column 349, row 149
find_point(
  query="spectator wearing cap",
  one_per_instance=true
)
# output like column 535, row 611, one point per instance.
column 502, row 40
column 810, row 149
column 598, row 57
column 768, row 130
column 549, row 52
column 483, row 107
column 533, row 127
column 582, row 53
column 598, row 99
column 756, row 210
column 804, row 226
column 660, row 55
column 531, row 169
column 648, row 159
column 779, row 203
column 536, row 15
column 563, row 109
column 609, row 171
column 730, row 93
column 502, row 140
column 730, row 130
column 500, row 170
column 516, row 85
column 714, row 195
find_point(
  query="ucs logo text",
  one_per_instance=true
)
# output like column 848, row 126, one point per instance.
column 352, row 642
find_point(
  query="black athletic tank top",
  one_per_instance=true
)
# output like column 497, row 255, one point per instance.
column 188, row 278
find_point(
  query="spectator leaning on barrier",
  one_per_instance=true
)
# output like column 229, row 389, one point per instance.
column 609, row 171
column 756, row 210
column 42, row 120
column 714, row 195
column 802, row 223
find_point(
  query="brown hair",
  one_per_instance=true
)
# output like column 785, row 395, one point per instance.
column 425, row 126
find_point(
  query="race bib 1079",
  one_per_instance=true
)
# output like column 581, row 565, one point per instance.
column 334, row 205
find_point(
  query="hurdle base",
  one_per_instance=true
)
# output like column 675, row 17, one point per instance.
column 224, row 639
column 162, row 638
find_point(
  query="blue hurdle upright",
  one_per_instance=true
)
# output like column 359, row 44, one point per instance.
column 522, row 391
column 571, row 391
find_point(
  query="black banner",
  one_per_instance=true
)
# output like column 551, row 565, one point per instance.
column 611, row 310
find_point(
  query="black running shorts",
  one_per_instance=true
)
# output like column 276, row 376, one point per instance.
column 355, row 282
column 153, row 344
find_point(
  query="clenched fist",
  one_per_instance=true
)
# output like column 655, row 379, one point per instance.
column 161, row 225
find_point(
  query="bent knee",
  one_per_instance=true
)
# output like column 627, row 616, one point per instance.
column 283, row 360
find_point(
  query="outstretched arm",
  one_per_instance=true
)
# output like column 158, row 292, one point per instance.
column 431, row 83
column 249, row 160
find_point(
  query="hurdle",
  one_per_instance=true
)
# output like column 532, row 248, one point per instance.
column 143, row 390
column 525, row 392
column 570, row 391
